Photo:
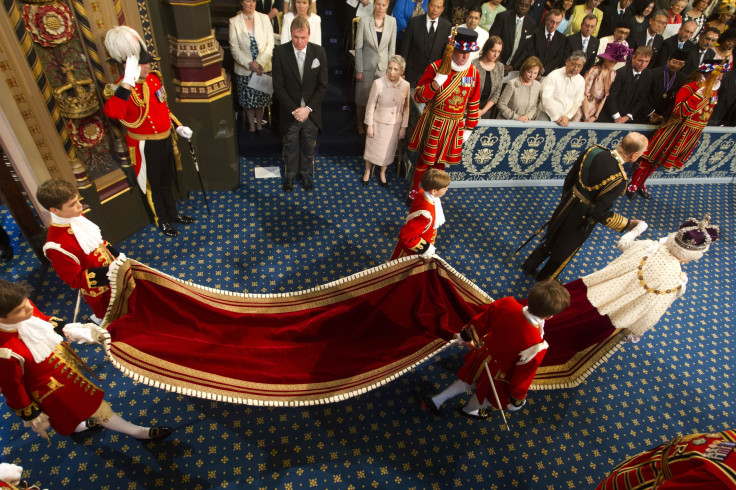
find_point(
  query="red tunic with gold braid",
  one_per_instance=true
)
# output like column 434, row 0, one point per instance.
column 444, row 118
column 674, row 142
column 513, row 347
column 86, row 272
column 144, row 113
column 55, row 386
column 418, row 232
column 696, row 461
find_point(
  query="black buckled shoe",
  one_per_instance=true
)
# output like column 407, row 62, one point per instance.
column 158, row 433
column 428, row 404
column 184, row 219
column 630, row 194
column 93, row 425
column 643, row 192
column 168, row 230
column 307, row 184
column 288, row 185
column 481, row 415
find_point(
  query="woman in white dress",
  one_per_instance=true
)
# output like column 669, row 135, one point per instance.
column 301, row 8
column 386, row 118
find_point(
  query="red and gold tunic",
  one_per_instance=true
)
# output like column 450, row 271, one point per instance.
column 513, row 348
column 695, row 461
column 674, row 142
column 55, row 386
column 438, row 134
column 86, row 272
column 418, row 232
column 143, row 111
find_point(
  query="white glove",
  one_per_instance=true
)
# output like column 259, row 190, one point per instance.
column 184, row 132
column 640, row 228
column 683, row 284
column 132, row 70
column 440, row 79
column 466, row 134
column 88, row 333
column 115, row 264
column 429, row 253
column 39, row 425
column 10, row 473
column 632, row 338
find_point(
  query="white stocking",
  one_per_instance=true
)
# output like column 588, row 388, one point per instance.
column 472, row 407
column 457, row 388
column 81, row 427
column 118, row 424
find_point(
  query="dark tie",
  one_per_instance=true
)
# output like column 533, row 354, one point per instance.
column 621, row 14
column 636, row 77
column 649, row 43
column 430, row 38
column 549, row 38
column 432, row 30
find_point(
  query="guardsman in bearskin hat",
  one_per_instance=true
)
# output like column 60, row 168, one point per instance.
column 138, row 100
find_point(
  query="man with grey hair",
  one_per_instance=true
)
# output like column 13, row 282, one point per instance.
column 563, row 90
column 585, row 41
column 680, row 41
column 652, row 35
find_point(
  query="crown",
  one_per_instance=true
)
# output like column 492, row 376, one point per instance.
column 489, row 140
column 577, row 142
column 696, row 235
column 76, row 99
column 535, row 141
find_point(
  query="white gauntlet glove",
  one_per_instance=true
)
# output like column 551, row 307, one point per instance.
column 429, row 253
column 184, row 132
column 440, row 79
column 88, row 333
column 39, row 425
column 10, row 473
column 466, row 134
column 115, row 264
column 132, row 70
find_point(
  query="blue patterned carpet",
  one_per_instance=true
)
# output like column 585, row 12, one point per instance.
column 675, row 381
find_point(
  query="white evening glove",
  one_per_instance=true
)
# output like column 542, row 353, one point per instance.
column 10, row 473
column 184, row 132
column 440, row 79
column 132, row 70
column 628, row 238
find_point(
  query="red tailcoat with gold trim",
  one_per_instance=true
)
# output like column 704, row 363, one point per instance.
column 151, row 121
column 73, row 266
column 506, row 335
column 702, row 461
column 674, row 142
column 418, row 231
column 438, row 134
column 55, row 386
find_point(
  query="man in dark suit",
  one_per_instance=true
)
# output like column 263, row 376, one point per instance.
column 724, row 113
column 513, row 27
column 680, row 41
column 546, row 44
column 614, row 13
column 425, row 40
column 584, row 41
column 659, row 97
column 299, row 82
column 652, row 35
column 626, row 95
column 702, row 51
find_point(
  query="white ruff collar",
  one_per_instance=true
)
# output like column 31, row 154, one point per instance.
column 456, row 67
column 439, row 215
column 88, row 234
column 37, row 334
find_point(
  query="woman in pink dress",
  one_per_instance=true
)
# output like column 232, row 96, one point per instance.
column 598, row 81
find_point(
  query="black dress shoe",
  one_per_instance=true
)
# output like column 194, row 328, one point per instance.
column 307, row 185
column 644, row 194
column 630, row 194
column 167, row 229
column 364, row 182
column 93, row 425
column 481, row 415
column 158, row 433
column 184, row 219
column 288, row 185
column 428, row 404
column 383, row 182
column 409, row 201
column 6, row 253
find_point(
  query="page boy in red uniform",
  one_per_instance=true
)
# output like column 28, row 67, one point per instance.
column 420, row 229
column 509, row 338
column 42, row 378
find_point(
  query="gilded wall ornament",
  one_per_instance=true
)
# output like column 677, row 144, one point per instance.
column 49, row 24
